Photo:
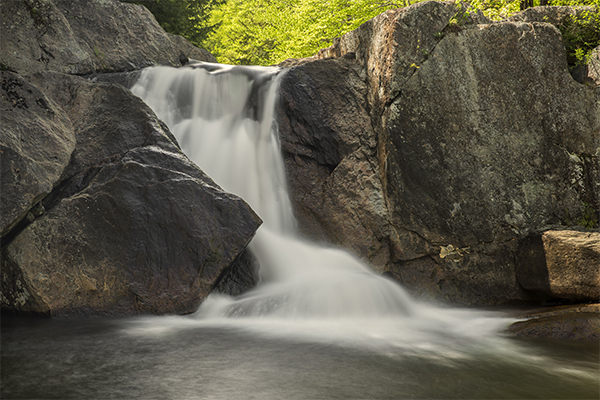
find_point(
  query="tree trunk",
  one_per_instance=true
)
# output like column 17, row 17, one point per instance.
column 525, row 4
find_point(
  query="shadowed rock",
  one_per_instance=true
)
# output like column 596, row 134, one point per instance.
column 36, row 142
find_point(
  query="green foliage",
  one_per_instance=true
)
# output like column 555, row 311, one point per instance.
column 188, row 18
column 581, row 34
column 497, row 9
column 589, row 218
column 458, row 20
column 268, row 32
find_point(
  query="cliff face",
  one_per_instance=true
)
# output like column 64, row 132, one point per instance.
column 436, row 144
column 101, row 212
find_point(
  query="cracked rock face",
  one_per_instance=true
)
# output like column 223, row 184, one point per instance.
column 466, row 137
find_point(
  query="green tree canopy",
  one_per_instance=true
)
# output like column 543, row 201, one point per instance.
column 267, row 32
column 188, row 18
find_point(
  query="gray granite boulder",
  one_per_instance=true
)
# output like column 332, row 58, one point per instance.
column 36, row 142
column 442, row 143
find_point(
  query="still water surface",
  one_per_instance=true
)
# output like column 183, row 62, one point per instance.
column 183, row 358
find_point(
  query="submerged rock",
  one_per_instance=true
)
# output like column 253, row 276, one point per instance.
column 461, row 139
column 578, row 322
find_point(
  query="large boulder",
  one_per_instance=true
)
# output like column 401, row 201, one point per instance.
column 468, row 137
column 328, row 144
column 81, row 37
column 101, row 212
column 490, row 140
column 131, row 226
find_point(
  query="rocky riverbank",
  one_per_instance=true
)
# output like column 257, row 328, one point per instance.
column 454, row 154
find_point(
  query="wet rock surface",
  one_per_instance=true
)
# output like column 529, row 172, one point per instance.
column 239, row 277
column 576, row 322
column 328, row 145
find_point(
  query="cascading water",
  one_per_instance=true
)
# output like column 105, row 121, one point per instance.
column 223, row 118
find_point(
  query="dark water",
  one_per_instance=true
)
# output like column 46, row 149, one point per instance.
column 169, row 358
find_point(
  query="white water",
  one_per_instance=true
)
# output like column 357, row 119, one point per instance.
column 304, row 289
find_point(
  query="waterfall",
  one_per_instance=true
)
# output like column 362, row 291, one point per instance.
column 223, row 118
